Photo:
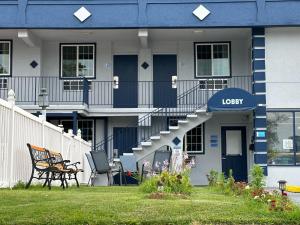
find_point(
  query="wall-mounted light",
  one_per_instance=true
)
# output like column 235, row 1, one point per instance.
column 174, row 81
column 116, row 82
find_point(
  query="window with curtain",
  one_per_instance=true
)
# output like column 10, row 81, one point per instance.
column 77, row 60
column 283, row 138
column 212, row 59
column 5, row 58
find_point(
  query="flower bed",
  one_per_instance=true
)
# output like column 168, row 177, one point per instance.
column 174, row 182
column 254, row 191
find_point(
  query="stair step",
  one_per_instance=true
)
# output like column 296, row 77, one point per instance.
column 173, row 127
column 155, row 137
column 137, row 149
column 182, row 121
column 146, row 143
column 165, row 132
column 192, row 116
column 200, row 110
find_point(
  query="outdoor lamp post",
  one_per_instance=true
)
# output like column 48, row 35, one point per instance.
column 43, row 101
column 282, row 186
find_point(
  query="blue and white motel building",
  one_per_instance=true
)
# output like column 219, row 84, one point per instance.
column 217, row 79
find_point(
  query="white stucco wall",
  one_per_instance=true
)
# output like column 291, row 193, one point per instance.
column 22, row 55
column 282, row 67
column 211, row 159
column 288, row 173
column 282, row 86
column 240, row 50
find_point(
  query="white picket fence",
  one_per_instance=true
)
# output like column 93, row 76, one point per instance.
column 17, row 128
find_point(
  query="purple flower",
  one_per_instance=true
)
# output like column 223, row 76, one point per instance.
column 157, row 164
column 166, row 163
column 185, row 155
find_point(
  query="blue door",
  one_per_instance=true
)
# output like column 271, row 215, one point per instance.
column 234, row 152
column 164, row 67
column 126, row 69
column 125, row 138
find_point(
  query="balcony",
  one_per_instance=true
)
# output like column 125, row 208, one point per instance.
column 110, row 94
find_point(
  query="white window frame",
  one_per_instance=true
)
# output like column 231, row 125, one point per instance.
column 76, row 81
column 202, row 142
column 207, row 83
column 212, row 54
column 77, row 60
column 9, row 58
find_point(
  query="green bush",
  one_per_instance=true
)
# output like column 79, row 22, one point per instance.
column 212, row 178
column 150, row 185
column 221, row 180
column 19, row 185
column 229, row 183
column 168, row 182
column 257, row 177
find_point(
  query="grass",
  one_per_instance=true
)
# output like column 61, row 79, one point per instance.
column 127, row 205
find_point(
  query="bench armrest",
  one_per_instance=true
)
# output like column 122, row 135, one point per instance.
column 73, row 164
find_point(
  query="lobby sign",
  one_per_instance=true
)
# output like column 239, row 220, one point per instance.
column 231, row 99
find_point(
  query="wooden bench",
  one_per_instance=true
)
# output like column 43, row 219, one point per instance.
column 41, row 164
column 50, row 166
column 64, row 168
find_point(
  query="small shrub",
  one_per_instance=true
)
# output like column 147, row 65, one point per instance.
column 150, row 185
column 229, row 183
column 240, row 188
column 19, row 185
column 212, row 178
column 169, row 182
column 257, row 178
column 221, row 181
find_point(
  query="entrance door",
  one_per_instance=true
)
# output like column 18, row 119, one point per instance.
column 125, row 138
column 234, row 152
column 126, row 69
column 164, row 67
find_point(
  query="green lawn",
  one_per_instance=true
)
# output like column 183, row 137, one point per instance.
column 127, row 205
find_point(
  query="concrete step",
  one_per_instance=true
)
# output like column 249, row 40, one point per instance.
column 165, row 132
column 146, row 143
column 200, row 110
column 155, row 138
column 191, row 116
column 173, row 127
column 137, row 149
column 182, row 121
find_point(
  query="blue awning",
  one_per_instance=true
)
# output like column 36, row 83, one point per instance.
column 231, row 99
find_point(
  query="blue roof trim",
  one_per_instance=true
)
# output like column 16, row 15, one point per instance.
column 148, row 13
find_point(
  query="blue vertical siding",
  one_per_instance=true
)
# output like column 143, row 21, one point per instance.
column 259, row 90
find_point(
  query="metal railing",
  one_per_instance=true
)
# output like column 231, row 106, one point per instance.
column 107, row 94
column 190, row 99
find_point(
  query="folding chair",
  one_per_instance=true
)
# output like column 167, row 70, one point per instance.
column 160, row 157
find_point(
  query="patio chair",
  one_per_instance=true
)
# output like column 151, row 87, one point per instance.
column 160, row 157
column 102, row 166
column 41, row 165
column 93, row 168
column 129, row 165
